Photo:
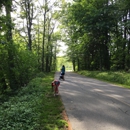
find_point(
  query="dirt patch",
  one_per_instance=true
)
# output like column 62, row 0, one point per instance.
column 65, row 117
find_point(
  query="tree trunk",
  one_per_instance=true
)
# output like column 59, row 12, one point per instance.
column 106, row 51
column 12, row 81
column 43, row 41
column 73, row 64
column 124, row 45
column 78, row 63
column 29, row 17
column 3, row 83
column 38, row 46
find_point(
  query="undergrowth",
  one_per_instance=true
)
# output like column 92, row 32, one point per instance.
column 33, row 107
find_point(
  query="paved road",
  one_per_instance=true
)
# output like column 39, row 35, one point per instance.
column 94, row 105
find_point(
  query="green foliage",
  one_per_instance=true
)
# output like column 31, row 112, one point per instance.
column 33, row 107
column 100, row 31
column 63, row 61
column 26, row 66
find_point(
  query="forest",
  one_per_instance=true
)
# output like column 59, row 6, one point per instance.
column 29, row 38
column 97, row 34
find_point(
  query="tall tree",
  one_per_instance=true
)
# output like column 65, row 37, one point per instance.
column 46, row 9
column 9, row 40
column 28, row 13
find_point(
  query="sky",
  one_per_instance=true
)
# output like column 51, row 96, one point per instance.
column 62, row 49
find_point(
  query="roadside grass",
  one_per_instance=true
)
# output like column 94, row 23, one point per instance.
column 118, row 78
column 33, row 107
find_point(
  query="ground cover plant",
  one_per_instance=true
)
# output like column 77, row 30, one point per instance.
column 33, row 107
column 120, row 78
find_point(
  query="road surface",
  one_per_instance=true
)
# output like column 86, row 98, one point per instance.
column 94, row 105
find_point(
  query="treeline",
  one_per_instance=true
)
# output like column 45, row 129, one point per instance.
column 98, row 34
column 28, row 42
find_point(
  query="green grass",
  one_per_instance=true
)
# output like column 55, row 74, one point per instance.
column 119, row 78
column 33, row 107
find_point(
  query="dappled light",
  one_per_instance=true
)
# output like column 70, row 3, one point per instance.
column 93, row 104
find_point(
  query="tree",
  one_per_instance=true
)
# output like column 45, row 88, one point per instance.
column 95, row 25
column 9, row 41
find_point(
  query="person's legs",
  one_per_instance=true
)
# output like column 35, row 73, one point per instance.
column 63, row 76
column 56, row 91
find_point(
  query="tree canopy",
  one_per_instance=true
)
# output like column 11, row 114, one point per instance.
column 98, row 34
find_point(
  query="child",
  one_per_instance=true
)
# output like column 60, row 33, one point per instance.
column 61, row 76
column 55, row 84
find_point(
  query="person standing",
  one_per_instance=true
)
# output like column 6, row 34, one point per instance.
column 63, row 71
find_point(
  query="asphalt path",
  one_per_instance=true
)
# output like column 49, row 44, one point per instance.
column 94, row 105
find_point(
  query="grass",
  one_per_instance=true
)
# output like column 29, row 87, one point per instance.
column 119, row 78
column 33, row 107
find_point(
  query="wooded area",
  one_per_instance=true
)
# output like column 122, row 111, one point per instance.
column 28, row 40
column 97, row 34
